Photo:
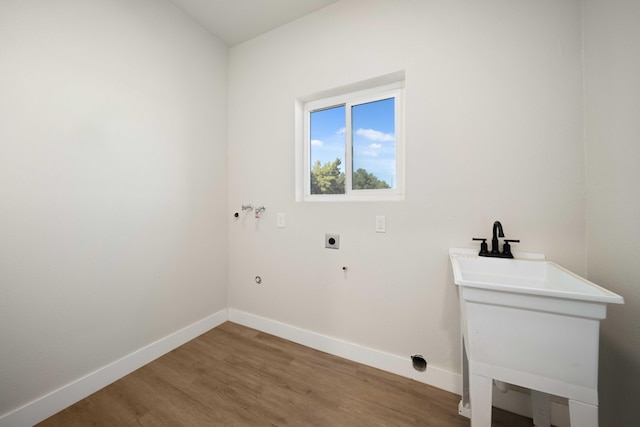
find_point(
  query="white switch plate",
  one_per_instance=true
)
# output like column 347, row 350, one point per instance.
column 280, row 220
column 381, row 224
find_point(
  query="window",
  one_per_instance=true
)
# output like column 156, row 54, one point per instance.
column 353, row 146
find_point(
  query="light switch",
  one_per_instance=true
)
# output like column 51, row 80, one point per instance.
column 280, row 220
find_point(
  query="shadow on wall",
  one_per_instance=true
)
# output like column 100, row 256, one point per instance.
column 619, row 384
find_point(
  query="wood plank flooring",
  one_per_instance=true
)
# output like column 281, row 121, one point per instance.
column 236, row 376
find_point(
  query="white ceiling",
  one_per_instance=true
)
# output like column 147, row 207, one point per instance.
column 236, row 21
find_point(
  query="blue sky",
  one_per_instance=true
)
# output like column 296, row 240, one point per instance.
column 373, row 137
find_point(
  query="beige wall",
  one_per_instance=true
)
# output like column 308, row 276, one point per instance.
column 493, row 132
column 112, row 185
column 612, row 76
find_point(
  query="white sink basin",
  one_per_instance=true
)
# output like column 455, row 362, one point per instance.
column 531, row 274
column 529, row 322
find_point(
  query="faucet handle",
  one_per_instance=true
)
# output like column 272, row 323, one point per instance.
column 483, row 246
column 506, row 249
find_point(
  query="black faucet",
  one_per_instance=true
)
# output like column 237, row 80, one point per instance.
column 495, row 249
column 497, row 227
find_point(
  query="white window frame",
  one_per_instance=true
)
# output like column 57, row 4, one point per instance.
column 372, row 94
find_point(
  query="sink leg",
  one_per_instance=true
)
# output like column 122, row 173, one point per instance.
column 481, row 388
column 465, row 378
column 541, row 405
column 582, row 414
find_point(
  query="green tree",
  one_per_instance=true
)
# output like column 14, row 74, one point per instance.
column 327, row 178
column 363, row 180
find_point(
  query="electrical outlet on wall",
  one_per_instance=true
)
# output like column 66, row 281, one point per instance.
column 381, row 224
column 332, row 241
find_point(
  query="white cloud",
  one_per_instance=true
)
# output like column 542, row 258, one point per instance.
column 375, row 135
column 369, row 153
column 341, row 131
column 375, row 146
column 317, row 143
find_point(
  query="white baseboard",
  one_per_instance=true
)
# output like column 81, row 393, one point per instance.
column 387, row 362
column 45, row 406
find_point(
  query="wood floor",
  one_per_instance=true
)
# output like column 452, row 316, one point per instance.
column 236, row 376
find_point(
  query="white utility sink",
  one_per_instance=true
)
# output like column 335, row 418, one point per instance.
column 529, row 322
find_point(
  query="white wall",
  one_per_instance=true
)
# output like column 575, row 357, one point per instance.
column 494, row 132
column 612, row 65
column 113, row 175
column 113, row 185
